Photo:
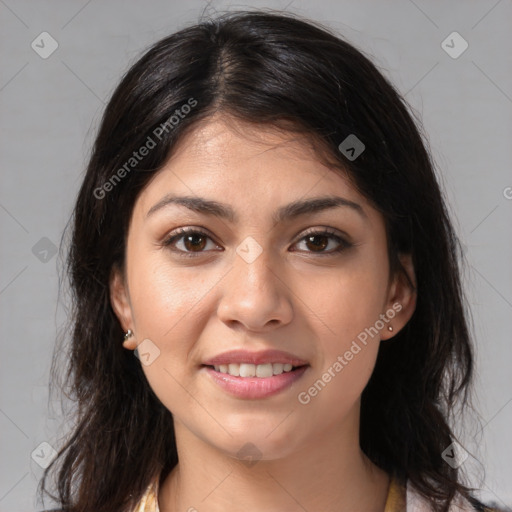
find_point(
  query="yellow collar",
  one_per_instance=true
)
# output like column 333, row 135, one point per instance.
column 395, row 501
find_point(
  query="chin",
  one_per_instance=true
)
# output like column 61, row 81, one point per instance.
column 252, row 444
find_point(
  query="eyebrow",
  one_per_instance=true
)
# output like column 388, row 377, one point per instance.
column 284, row 213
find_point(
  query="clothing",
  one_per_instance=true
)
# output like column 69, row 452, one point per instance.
column 401, row 498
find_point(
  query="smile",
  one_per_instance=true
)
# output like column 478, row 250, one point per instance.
column 256, row 381
column 254, row 370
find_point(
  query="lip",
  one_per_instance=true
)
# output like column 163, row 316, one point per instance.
column 255, row 387
column 261, row 357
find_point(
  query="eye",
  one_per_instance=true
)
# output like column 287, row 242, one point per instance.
column 195, row 242
column 319, row 240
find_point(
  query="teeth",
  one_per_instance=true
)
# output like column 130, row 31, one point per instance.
column 247, row 370
column 233, row 369
column 264, row 370
column 277, row 368
column 253, row 370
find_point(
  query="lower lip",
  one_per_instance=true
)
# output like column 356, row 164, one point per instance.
column 255, row 387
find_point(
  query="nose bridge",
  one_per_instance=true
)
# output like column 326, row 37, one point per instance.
column 261, row 273
column 254, row 294
column 253, row 268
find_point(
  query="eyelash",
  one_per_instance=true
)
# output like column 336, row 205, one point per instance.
column 181, row 232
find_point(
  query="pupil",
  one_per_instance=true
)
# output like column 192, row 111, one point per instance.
column 318, row 245
column 194, row 244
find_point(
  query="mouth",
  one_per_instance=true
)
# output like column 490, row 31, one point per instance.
column 254, row 375
column 249, row 381
column 246, row 370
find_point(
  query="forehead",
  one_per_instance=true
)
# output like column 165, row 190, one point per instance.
column 246, row 164
column 227, row 136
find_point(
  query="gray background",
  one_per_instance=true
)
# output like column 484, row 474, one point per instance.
column 50, row 109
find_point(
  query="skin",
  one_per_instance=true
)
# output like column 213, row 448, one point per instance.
column 293, row 297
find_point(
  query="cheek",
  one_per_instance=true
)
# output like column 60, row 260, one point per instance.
column 166, row 306
column 347, row 343
column 166, row 300
column 347, row 305
column 346, row 301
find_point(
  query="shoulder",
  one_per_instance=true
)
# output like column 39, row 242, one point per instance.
column 417, row 503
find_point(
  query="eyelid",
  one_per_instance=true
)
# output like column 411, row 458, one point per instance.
column 326, row 230
column 195, row 228
column 175, row 233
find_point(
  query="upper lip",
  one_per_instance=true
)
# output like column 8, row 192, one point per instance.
column 261, row 357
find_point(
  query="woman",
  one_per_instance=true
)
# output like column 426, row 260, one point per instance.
column 261, row 225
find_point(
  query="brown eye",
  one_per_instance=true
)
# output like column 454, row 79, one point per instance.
column 316, row 242
column 193, row 242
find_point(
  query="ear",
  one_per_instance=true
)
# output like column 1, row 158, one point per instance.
column 401, row 298
column 120, row 301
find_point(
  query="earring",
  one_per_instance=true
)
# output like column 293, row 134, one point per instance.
column 390, row 328
column 128, row 334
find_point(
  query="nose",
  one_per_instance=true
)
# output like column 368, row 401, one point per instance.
column 255, row 295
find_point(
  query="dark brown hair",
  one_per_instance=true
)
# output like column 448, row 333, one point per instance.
column 279, row 70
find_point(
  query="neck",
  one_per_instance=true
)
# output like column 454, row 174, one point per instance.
column 331, row 473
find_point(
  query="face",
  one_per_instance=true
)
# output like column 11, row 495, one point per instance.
column 258, row 273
